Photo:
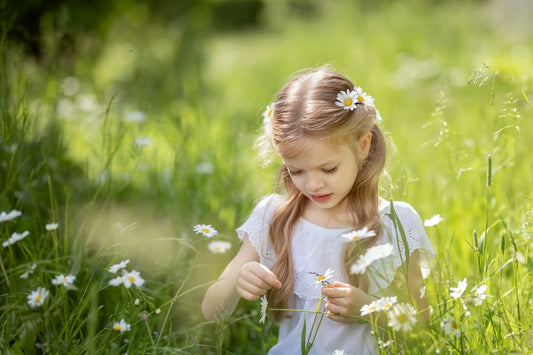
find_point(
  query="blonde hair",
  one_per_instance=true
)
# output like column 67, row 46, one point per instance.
column 305, row 108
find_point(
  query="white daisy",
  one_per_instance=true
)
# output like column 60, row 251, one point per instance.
column 363, row 97
column 267, row 115
column 380, row 251
column 64, row 280
column 402, row 317
column 480, row 294
column 51, row 226
column 347, row 99
column 37, row 297
column 324, row 279
column 15, row 237
column 458, row 291
column 359, row 234
column 361, row 264
column 219, row 246
column 136, row 116
column 264, row 306
column 9, row 215
column 370, row 308
column 386, row 303
column 450, row 327
column 122, row 265
column 433, row 221
column 119, row 280
column 122, row 326
column 132, row 278
column 205, row 229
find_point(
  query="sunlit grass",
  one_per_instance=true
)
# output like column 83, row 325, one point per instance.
column 150, row 132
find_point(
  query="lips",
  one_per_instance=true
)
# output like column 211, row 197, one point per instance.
column 321, row 198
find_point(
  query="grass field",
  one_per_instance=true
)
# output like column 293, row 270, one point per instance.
column 144, row 128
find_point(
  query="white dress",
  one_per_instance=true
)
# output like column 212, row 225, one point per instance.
column 316, row 249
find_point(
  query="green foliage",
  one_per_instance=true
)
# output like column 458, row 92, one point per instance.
column 142, row 123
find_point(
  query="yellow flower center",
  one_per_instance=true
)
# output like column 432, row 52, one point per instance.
column 131, row 278
column 355, row 237
column 453, row 324
column 320, row 278
column 361, row 98
column 348, row 102
column 402, row 318
column 205, row 230
column 218, row 249
column 63, row 280
column 270, row 112
column 118, row 328
column 38, row 298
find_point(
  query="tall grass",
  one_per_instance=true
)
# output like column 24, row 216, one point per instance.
column 137, row 139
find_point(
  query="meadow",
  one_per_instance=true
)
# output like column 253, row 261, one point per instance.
column 116, row 141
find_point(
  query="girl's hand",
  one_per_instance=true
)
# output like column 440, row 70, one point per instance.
column 343, row 300
column 254, row 280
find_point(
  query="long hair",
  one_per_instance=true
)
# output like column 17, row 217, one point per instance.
column 305, row 108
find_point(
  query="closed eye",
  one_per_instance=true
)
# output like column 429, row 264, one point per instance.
column 294, row 172
column 330, row 171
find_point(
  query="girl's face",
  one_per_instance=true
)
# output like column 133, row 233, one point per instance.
column 325, row 171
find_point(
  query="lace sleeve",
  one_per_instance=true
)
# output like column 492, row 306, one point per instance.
column 256, row 228
column 406, row 236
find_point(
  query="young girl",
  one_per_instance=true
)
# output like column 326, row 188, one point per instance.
column 326, row 132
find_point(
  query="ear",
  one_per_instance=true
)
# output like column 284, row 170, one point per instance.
column 365, row 140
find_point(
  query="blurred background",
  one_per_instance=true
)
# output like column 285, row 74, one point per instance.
column 132, row 121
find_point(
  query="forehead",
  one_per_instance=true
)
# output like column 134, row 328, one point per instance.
column 309, row 152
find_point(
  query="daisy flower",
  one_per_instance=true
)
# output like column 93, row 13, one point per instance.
column 132, row 278
column 264, row 306
column 347, row 99
column 458, row 291
column 51, row 226
column 359, row 234
column 380, row 251
column 386, row 303
column 136, row 116
column 267, row 115
column 219, row 247
column 15, row 237
column 433, row 221
column 115, row 267
column 324, row 279
column 360, row 266
column 480, row 294
column 402, row 317
column 450, row 327
column 363, row 97
column 122, row 326
column 64, row 280
column 37, row 297
column 370, row 308
column 205, row 229
column 9, row 216
column 119, row 280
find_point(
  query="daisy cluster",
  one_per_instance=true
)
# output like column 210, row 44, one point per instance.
column 128, row 278
column 372, row 254
column 349, row 99
column 216, row 246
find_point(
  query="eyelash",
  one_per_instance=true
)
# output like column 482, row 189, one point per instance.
column 326, row 171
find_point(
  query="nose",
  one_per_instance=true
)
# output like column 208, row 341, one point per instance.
column 314, row 182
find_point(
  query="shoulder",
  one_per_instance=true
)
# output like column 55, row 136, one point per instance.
column 401, row 211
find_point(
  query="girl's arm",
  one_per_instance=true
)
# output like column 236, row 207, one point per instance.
column 243, row 277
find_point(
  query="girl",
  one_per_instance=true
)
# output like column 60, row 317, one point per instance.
column 330, row 215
